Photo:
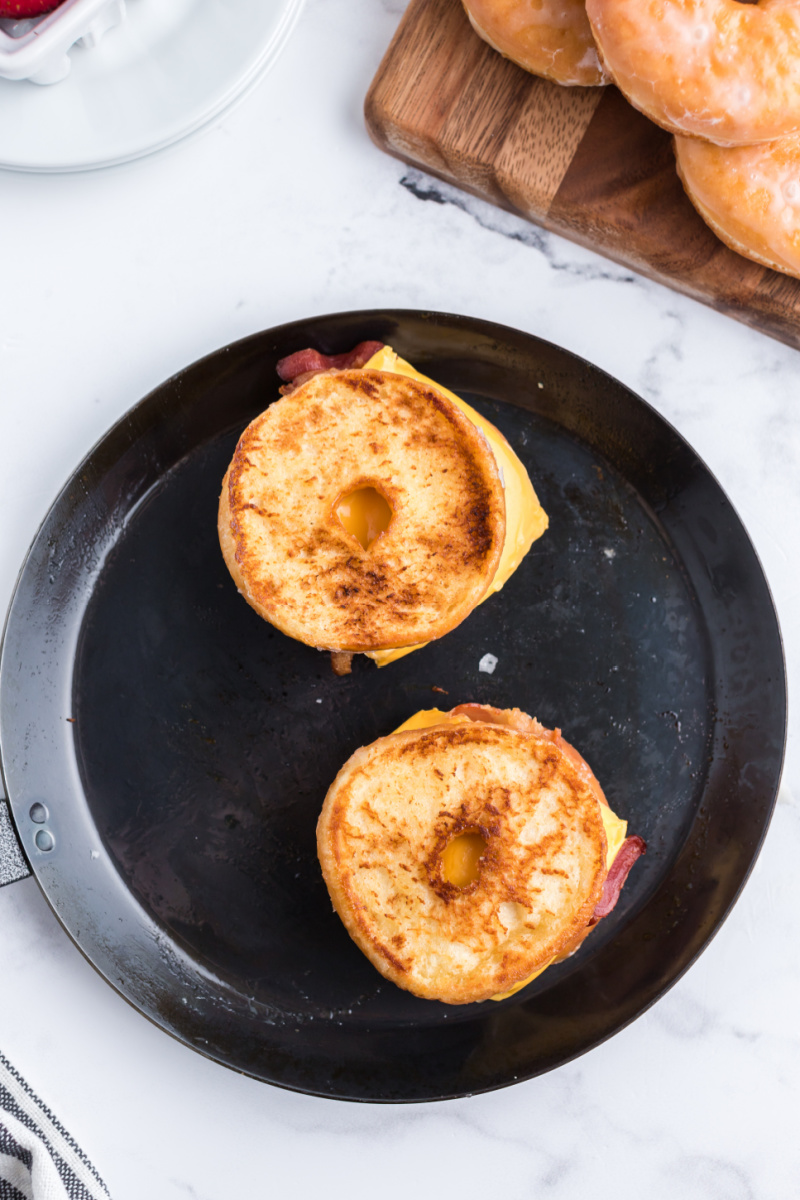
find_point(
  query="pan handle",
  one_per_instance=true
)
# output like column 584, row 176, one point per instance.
column 13, row 864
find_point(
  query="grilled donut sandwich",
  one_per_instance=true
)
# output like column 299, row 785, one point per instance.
column 369, row 510
column 469, row 850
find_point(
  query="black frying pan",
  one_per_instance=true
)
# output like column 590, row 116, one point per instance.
column 165, row 752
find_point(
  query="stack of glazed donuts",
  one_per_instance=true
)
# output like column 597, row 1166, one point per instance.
column 723, row 76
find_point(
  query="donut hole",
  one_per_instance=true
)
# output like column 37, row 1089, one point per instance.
column 365, row 514
column 461, row 858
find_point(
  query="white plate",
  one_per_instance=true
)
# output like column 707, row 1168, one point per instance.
column 170, row 68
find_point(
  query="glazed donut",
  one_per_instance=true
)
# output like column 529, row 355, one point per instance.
column 749, row 195
column 283, row 537
column 384, row 829
column 721, row 70
column 550, row 38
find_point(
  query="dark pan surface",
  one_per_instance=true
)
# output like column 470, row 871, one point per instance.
column 184, row 792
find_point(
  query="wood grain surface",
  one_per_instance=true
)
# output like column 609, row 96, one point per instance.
column 578, row 161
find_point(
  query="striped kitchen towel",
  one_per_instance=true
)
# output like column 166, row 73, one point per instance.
column 38, row 1158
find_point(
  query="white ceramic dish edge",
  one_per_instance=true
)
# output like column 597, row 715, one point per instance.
column 237, row 90
column 38, row 51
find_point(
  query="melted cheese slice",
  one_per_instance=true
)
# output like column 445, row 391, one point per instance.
column 365, row 514
column 526, row 520
column 615, row 828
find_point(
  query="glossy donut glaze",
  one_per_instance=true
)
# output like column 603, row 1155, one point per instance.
column 551, row 38
column 720, row 70
column 749, row 195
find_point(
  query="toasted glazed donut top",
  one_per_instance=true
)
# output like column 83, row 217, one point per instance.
column 716, row 69
column 384, row 827
column 749, row 195
column 551, row 38
column 289, row 552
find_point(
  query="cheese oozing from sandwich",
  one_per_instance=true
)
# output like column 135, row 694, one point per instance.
column 467, row 852
column 526, row 520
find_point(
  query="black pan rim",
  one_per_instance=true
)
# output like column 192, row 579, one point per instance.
column 283, row 335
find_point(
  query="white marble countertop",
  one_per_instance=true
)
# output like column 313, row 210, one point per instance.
column 283, row 208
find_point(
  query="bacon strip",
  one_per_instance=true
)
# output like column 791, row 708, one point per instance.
column 631, row 849
column 511, row 718
column 342, row 662
column 311, row 362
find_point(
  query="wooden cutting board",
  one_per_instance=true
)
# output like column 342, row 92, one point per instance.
column 579, row 161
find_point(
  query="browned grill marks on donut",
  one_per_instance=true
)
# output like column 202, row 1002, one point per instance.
column 388, row 818
column 287, row 550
